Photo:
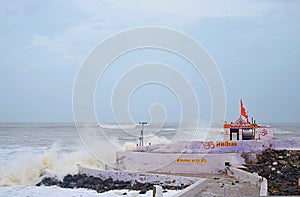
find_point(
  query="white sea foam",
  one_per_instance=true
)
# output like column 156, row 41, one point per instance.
column 27, row 166
column 151, row 140
column 30, row 167
column 61, row 192
column 118, row 126
column 281, row 131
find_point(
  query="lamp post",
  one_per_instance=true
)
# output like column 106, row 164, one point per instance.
column 142, row 133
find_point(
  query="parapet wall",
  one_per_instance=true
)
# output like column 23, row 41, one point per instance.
column 193, row 190
column 140, row 177
column 176, row 162
column 249, row 177
column 197, row 185
column 219, row 146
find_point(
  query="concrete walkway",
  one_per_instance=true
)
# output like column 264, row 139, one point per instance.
column 220, row 184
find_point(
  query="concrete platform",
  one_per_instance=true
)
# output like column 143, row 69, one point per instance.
column 200, row 184
column 176, row 162
column 224, row 185
column 193, row 157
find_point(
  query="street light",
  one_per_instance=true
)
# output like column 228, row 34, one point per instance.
column 141, row 138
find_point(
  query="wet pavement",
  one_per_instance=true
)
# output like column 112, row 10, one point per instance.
column 224, row 185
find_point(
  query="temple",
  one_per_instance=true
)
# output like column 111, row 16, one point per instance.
column 242, row 129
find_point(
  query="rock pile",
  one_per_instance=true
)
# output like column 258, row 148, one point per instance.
column 100, row 185
column 280, row 167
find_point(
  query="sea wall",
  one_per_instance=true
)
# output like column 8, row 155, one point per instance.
column 220, row 146
column 140, row 177
column 176, row 162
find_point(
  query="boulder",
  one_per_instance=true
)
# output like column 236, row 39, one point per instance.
column 281, row 168
column 100, row 185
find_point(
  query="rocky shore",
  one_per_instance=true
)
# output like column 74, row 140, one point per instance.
column 100, row 185
column 280, row 167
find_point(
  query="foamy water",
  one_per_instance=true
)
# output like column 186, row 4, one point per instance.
column 62, row 192
column 29, row 152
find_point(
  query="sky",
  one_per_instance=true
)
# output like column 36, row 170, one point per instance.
column 255, row 45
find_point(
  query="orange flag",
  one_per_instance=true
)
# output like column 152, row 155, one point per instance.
column 243, row 111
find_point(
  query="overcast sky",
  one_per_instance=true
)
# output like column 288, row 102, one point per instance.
column 255, row 44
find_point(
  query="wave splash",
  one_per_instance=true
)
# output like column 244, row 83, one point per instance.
column 30, row 168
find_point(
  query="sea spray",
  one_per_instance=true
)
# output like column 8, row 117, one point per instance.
column 29, row 168
column 148, row 141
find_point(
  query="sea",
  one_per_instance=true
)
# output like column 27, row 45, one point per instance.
column 31, row 151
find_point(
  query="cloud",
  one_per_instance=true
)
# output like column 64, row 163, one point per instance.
column 68, row 46
column 190, row 9
column 59, row 33
column 40, row 41
column 187, row 9
column 107, row 17
column 73, row 37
